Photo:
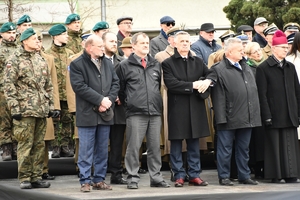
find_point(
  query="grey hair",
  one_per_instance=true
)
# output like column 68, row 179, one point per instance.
column 230, row 42
column 180, row 33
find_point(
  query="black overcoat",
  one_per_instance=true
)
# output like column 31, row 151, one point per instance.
column 279, row 93
column 234, row 96
column 186, row 109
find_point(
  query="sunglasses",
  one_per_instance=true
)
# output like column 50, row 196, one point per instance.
column 170, row 23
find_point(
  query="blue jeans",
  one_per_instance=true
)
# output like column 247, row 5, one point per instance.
column 224, row 150
column 93, row 150
column 193, row 158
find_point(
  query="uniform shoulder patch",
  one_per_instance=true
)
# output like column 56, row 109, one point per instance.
column 8, row 65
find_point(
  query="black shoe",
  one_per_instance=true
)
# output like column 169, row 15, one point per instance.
column 66, row 152
column 162, row 184
column 226, row 181
column 47, row 176
column 25, row 185
column 292, row 180
column 249, row 182
column 142, row 171
column 120, row 181
column 55, row 152
column 132, row 185
column 40, row 184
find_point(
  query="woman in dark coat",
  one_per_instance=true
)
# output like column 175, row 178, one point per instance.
column 256, row 147
column 187, row 117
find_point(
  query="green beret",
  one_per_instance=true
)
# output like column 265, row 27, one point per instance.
column 8, row 26
column 71, row 18
column 24, row 19
column 26, row 34
column 100, row 26
column 57, row 29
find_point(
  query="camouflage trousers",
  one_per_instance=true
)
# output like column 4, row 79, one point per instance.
column 6, row 135
column 63, row 128
column 30, row 133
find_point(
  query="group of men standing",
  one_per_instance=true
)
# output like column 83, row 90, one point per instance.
column 109, row 83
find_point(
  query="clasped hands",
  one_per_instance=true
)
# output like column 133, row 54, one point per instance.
column 105, row 104
column 201, row 85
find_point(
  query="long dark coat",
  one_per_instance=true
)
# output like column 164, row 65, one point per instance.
column 186, row 109
column 279, row 93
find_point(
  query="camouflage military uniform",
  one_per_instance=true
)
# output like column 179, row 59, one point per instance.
column 74, row 42
column 28, row 90
column 64, row 129
column 6, row 135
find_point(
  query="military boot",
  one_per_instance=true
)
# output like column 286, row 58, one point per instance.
column 66, row 152
column 7, row 149
column 14, row 151
column 55, row 152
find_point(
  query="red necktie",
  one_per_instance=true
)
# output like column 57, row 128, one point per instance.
column 144, row 62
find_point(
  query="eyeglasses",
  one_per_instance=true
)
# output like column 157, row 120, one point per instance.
column 170, row 23
column 256, row 51
column 127, row 23
column 283, row 47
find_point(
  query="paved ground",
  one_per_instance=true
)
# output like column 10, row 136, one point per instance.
column 68, row 187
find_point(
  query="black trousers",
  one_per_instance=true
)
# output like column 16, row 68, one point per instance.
column 116, row 137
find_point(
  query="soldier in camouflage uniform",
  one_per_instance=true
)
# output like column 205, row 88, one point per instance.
column 23, row 23
column 74, row 32
column 7, row 141
column 64, row 127
column 50, row 127
column 28, row 90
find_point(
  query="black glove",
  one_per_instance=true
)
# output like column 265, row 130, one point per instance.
column 54, row 113
column 268, row 122
column 73, row 113
column 17, row 117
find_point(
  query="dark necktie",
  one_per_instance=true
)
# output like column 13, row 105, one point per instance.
column 143, row 62
column 112, row 61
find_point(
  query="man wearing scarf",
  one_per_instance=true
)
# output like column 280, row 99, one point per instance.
column 160, row 42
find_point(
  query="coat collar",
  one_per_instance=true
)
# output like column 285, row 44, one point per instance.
column 273, row 63
column 177, row 55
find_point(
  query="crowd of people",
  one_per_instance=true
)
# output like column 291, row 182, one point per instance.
column 108, row 91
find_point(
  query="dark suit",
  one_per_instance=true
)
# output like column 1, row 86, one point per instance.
column 117, row 137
